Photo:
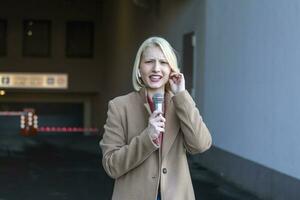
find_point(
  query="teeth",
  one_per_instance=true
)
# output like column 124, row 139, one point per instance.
column 155, row 77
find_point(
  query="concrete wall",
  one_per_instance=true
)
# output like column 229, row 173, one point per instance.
column 252, row 67
column 251, row 91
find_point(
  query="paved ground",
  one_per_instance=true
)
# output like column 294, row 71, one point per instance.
column 69, row 168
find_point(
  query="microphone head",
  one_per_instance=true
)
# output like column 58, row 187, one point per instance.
column 158, row 100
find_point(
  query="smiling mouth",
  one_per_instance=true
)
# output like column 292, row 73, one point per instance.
column 155, row 78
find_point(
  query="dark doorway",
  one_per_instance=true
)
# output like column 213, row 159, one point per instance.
column 49, row 115
column 188, row 60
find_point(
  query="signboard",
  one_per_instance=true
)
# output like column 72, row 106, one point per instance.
column 33, row 81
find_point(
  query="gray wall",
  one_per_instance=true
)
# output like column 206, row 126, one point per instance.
column 252, row 66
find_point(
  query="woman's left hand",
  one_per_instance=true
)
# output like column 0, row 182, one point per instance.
column 177, row 82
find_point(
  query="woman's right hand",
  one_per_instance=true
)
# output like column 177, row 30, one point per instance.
column 156, row 124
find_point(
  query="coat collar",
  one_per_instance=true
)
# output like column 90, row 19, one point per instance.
column 172, row 122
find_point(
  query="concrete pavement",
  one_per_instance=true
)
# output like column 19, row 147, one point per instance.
column 57, row 167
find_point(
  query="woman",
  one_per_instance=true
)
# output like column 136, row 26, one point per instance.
column 144, row 149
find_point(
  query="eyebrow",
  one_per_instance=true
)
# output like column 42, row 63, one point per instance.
column 160, row 59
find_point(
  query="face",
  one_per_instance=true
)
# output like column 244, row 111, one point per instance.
column 154, row 69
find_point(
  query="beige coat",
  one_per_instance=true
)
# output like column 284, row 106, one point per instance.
column 136, row 163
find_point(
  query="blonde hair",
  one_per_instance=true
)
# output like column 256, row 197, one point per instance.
column 167, row 50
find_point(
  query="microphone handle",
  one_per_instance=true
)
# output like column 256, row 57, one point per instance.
column 159, row 107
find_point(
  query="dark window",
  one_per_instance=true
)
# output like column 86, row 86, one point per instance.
column 36, row 38
column 79, row 39
column 3, row 26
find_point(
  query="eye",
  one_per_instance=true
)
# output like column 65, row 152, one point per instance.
column 163, row 62
column 149, row 61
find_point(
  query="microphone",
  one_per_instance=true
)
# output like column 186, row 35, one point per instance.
column 158, row 100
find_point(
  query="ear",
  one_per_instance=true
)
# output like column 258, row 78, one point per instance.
column 139, row 73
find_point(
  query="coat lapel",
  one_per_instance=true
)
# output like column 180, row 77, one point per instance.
column 147, row 108
column 172, row 126
column 143, row 94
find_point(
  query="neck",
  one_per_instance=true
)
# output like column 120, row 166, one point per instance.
column 151, row 92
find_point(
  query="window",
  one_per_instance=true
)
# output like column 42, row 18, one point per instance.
column 36, row 38
column 79, row 39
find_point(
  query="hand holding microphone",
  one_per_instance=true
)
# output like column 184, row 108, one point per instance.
column 156, row 119
column 156, row 124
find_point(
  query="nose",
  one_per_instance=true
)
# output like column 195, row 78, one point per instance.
column 156, row 67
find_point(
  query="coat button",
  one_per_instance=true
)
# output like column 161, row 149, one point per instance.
column 165, row 170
